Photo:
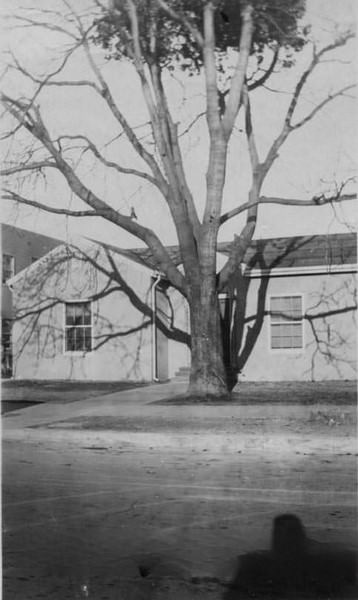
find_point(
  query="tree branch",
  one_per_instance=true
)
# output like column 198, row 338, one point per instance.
column 115, row 275
column 287, row 127
column 341, row 41
column 165, row 134
column 212, row 97
column 102, row 91
column 35, row 166
column 27, row 22
column 195, row 33
column 108, row 163
column 237, row 82
column 173, row 161
column 315, row 201
column 322, row 104
column 37, row 128
column 267, row 74
column 10, row 195
column 254, row 157
column 188, row 128
column 43, row 82
column 105, row 93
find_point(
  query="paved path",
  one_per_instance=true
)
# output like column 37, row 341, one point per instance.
column 118, row 403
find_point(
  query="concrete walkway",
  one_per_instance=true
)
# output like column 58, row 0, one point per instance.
column 124, row 403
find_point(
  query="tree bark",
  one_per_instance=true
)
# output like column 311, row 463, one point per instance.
column 207, row 375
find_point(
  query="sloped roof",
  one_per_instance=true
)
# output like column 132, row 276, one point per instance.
column 21, row 232
column 301, row 251
column 144, row 256
column 285, row 252
column 297, row 252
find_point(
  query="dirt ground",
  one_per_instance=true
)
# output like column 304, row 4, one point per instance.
column 162, row 508
column 248, row 392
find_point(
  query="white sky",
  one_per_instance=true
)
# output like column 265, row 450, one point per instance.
column 312, row 159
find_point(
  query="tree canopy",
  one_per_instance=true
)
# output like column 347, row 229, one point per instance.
column 171, row 32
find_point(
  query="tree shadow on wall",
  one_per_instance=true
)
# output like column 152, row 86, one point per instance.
column 295, row 567
column 242, row 324
column 47, row 285
column 101, row 268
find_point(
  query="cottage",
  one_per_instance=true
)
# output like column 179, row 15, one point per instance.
column 85, row 311
column 94, row 311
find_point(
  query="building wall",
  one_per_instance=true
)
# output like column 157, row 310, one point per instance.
column 23, row 246
column 121, row 333
column 121, row 319
column 329, row 350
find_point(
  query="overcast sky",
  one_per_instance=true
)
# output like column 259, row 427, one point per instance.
column 310, row 162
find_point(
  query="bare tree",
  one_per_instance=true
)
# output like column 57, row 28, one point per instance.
column 236, row 46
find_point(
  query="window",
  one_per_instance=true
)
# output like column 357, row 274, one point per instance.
column 78, row 327
column 286, row 322
column 6, row 348
column 8, row 267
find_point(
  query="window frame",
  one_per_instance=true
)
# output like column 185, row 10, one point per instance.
column 6, row 332
column 65, row 326
column 299, row 350
column 4, row 281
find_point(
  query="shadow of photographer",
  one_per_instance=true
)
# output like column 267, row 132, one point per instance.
column 295, row 567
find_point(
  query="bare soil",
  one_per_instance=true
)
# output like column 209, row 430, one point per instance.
column 179, row 504
column 283, row 392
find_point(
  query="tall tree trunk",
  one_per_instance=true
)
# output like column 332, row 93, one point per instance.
column 207, row 375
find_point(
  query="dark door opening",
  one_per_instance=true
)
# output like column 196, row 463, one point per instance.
column 163, row 311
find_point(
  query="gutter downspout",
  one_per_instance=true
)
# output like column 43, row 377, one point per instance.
column 158, row 277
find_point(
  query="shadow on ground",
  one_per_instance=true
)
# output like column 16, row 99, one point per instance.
column 8, row 406
column 294, row 568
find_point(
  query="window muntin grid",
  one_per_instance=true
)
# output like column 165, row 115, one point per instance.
column 286, row 322
column 78, row 327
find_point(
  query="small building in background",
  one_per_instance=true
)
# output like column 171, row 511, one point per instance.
column 20, row 248
column 93, row 311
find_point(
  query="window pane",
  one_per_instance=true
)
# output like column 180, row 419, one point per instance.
column 296, row 307
column 78, row 314
column 79, row 339
column 286, row 335
column 296, row 302
column 279, row 308
column 8, row 267
column 88, row 340
column 70, row 314
column 87, row 313
column 70, row 339
column 6, row 327
column 8, row 261
column 284, row 308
